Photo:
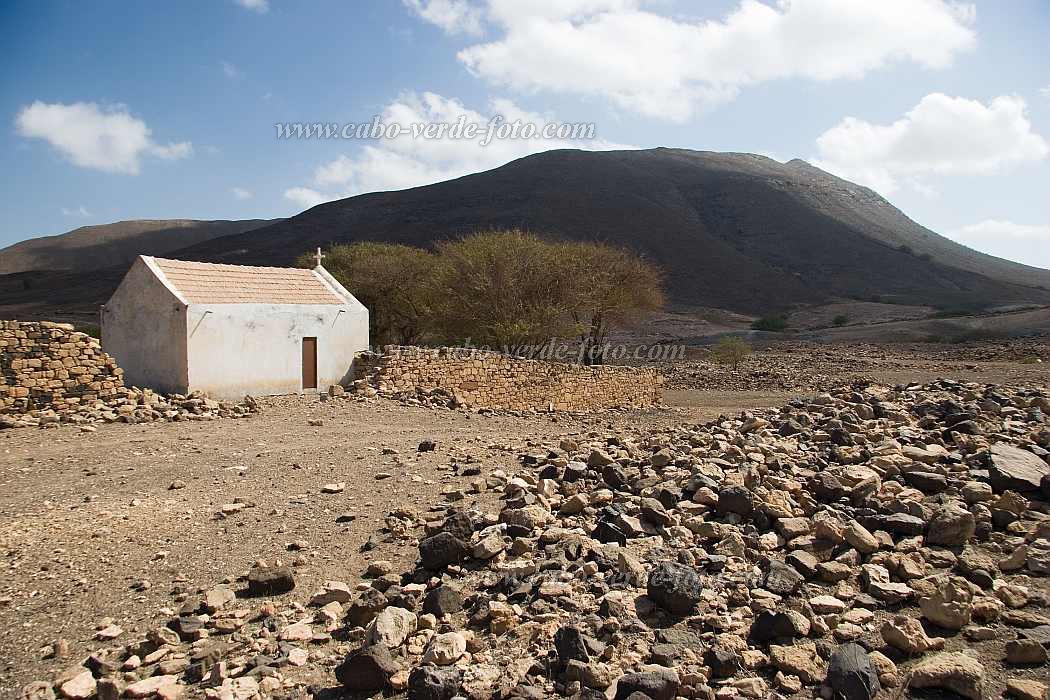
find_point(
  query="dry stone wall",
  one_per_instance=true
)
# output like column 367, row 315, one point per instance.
column 47, row 365
column 488, row 380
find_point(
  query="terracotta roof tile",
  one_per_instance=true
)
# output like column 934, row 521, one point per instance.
column 214, row 283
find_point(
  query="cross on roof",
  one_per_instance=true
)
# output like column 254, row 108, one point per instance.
column 319, row 256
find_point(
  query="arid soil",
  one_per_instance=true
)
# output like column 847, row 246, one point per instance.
column 126, row 521
column 87, row 518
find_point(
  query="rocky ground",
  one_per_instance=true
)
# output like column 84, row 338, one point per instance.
column 123, row 520
column 870, row 542
column 800, row 367
column 132, row 406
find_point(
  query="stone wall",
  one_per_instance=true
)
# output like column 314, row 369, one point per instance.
column 477, row 379
column 50, row 366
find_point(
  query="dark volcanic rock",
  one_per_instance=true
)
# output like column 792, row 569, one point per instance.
column 365, row 607
column 851, row 675
column 571, row 645
column 769, row 625
column 441, row 550
column 723, row 661
column 431, row 683
column 902, row 524
column 658, row 685
column 782, row 579
column 270, row 581
column 443, row 600
column 736, row 499
column 674, row 587
column 459, row 525
column 927, row 482
column 367, row 669
column 827, row 488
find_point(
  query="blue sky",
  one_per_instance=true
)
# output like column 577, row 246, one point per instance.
column 124, row 110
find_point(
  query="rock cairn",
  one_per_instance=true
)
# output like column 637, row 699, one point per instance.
column 51, row 374
column 852, row 545
column 464, row 377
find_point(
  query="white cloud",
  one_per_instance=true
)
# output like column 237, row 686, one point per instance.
column 669, row 67
column 1045, row 91
column 454, row 16
column 241, row 193
column 306, row 197
column 260, row 6
column 230, row 71
column 102, row 138
column 941, row 135
column 1026, row 243
column 173, row 151
column 80, row 212
column 409, row 161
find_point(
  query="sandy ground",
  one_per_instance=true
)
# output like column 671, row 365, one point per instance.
column 90, row 528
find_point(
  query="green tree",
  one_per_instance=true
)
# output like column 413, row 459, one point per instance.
column 510, row 290
column 731, row 350
column 395, row 282
column 605, row 287
column 500, row 288
column 773, row 324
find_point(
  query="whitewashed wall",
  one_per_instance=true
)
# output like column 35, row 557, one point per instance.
column 144, row 329
column 238, row 349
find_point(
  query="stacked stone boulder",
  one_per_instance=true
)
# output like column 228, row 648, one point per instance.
column 50, row 373
column 464, row 377
column 51, row 365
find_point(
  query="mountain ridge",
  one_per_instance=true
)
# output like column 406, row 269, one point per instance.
column 740, row 232
column 792, row 233
column 116, row 243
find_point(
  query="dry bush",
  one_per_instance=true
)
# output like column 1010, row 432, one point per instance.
column 731, row 350
column 508, row 290
column 395, row 282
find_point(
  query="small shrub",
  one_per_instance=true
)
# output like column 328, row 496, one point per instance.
column 1031, row 360
column 773, row 324
column 840, row 320
column 90, row 329
column 731, row 350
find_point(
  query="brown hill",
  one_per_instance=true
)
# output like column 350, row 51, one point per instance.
column 734, row 231
column 116, row 244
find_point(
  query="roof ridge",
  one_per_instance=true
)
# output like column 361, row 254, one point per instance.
column 230, row 265
column 223, row 283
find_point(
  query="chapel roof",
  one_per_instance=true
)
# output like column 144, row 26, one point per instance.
column 216, row 283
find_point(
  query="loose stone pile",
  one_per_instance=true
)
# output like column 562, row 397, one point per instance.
column 51, row 374
column 851, row 545
column 133, row 405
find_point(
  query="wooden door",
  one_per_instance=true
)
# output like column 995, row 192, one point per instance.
column 309, row 363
